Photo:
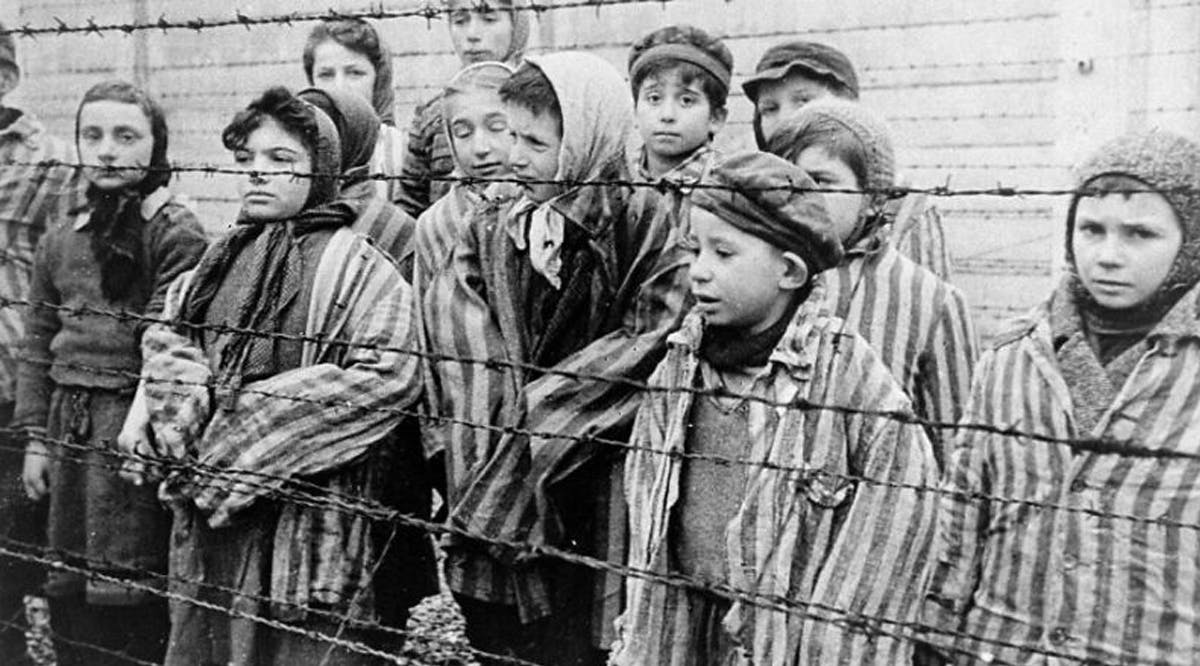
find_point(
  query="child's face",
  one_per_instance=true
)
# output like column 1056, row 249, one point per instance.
column 534, row 154
column 828, row 172
column 778, row 99
column 674, row 119
column 739, row 280
column 117, row 137
column 479, row 32
column 267, row 195
column 479, row 132
column 1125, row 246
column 336, row 67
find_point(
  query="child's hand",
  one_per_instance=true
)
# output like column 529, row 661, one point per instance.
column 135, row 446
column 36, row 472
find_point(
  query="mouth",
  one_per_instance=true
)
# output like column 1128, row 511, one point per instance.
column 257, row 196
column 666, row 135
column 489, row 169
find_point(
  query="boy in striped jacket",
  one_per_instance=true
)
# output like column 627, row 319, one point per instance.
column 917, row 323
column 1078, row 541
column 774, row 519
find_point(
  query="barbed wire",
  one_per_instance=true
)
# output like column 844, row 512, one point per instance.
column 429, row 12
column 999, row 190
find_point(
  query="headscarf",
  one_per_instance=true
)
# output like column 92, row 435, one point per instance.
column 519, row 11
column 115, row 221
column 265, row 300
column 479, row 76
column 798, row 131
column 1170, row 165
column 359, row 36
column 357, row 128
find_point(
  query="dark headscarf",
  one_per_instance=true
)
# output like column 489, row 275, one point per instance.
column 361, row 37
column 357, row 128
column 268, row 297
column 115, row 221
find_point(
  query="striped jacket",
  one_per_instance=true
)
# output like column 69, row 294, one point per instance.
column 1046, row 554
column 502, row 484
column 30, row 198
column 388, row 227
column 427, row 159
column 322, row 417
column 388, row 160
column 833, row 535
column 918, row 324
column 918, row 233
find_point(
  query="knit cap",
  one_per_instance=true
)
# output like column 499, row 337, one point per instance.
column 808, row 58
column 1168, row 163
column 796, row 133
column 682, row 43
column 772, row 199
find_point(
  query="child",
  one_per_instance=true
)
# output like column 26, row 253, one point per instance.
column 835, row 537
column 377, row 218
column 680, row 79
column 276, row 405
column 348, row 55
column 565, row 276
column 476, row 128
column 917, row 323
column 792, row 74
column 77, row 375
column 30, row 189
column 480, row 32
column 1112, row 355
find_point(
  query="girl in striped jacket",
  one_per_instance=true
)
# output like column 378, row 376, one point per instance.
column 1076, row 541
column 917, row 322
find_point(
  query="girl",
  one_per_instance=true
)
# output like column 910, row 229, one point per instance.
column 348, row 55
column 375, row 217
column 1104, row 571
column 480, row 32
column 117, row 254
column 917, row 323
column 282, row 406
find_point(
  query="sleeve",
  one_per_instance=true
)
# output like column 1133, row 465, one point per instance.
column 873, row 573
column 413, row 192
column 921, row 235
column 944, row 383
column 316, row 418
column 41, row 321
column 178, row 248
column 962, row 516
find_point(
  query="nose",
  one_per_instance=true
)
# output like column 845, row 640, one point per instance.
column 471, row 31
column 666, row 111
column 1111, row 251
column 698, row 271
column 107, row 149
column 517, row 157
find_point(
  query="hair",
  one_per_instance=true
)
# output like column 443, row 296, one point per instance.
column 528, row 87
column 278, row 103
column 124, row 92
column 826, row 81
column 361, row 37
column 830, row 135
column 689, row 73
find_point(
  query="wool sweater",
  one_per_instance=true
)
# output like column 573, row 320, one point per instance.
column 74, row 339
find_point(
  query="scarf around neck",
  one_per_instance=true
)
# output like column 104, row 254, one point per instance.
column 732, row 348
column 115, row 228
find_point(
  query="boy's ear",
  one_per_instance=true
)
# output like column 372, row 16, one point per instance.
column 717, row 120
column 795, row 274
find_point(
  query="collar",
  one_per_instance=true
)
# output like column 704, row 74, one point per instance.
column 873, row 243
column 151, row 204
column 687, row 173
column 797, row 349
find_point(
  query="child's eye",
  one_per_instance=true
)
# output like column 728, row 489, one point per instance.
column 324, row 75
column 127, row 137
column 498, row 125
column 90, row 135
column 460, row 130
column 241, row 156
column 688, row 100
column 767, row 109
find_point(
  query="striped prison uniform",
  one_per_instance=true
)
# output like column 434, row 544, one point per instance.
column 389, row 228
column 918, row 324
column 323, row 418
column 427, row 158
column 823, row 523
column 1049, row 554
column 388, row 160
column 504, row 484
column 31, row 197
column 918, row 233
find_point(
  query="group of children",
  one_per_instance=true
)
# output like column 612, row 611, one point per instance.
column 741, row 380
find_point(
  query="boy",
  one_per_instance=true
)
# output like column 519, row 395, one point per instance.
column 917, row 323
column 792, row 74
column 847, row 528
column 30, row 195
column 1107, row 573
column 569, row 278
column 680, row 79
column 480, row 32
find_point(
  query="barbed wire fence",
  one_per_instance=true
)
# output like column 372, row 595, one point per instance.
column 284, row 489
